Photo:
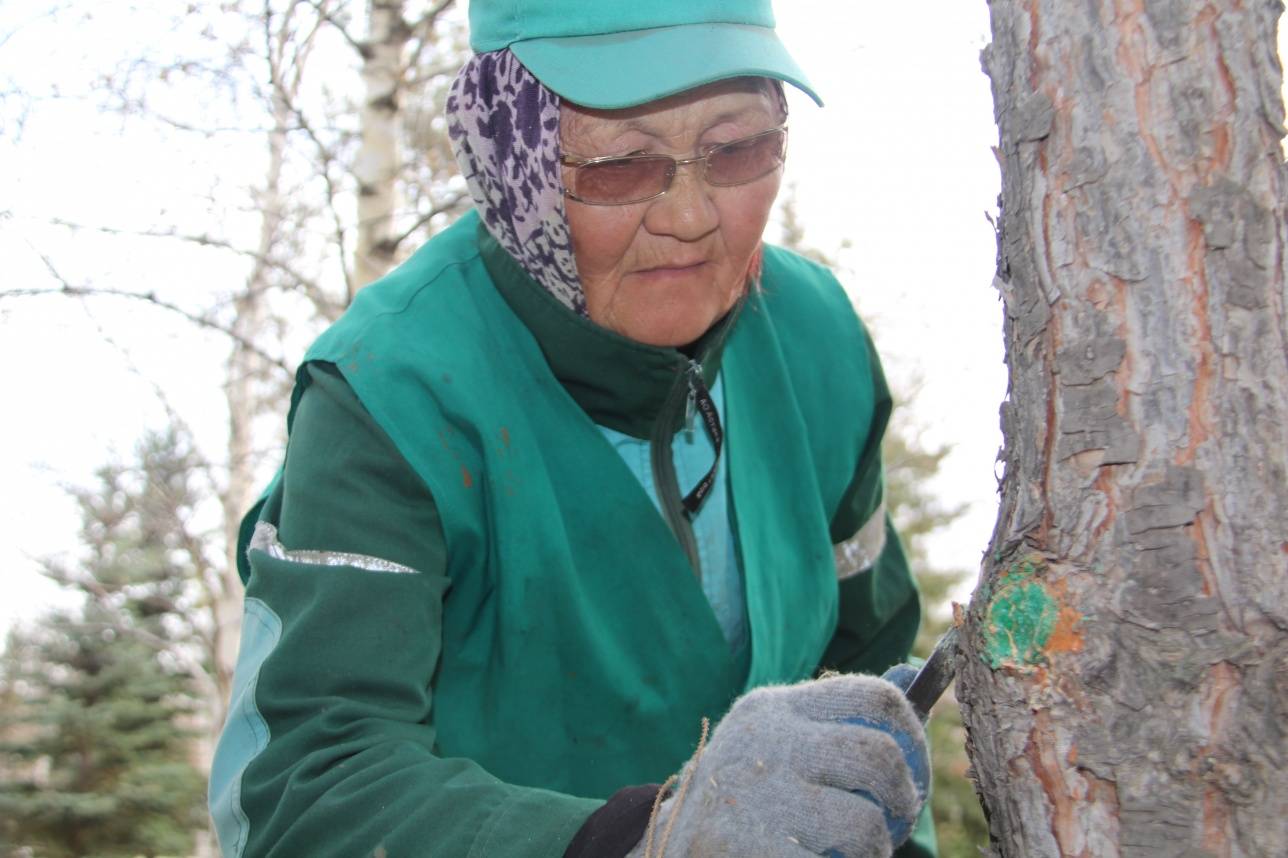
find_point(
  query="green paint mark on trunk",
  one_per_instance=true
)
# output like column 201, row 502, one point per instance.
column 1021, row 617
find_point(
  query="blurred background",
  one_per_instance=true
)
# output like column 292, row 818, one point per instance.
column 189, row 192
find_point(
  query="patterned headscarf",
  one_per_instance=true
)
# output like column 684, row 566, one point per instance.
column 504, row 128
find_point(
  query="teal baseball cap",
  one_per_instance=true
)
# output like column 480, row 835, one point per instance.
column 619, row 53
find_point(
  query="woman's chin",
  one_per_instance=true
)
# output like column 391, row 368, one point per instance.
column 662, row 314
column 663, row 325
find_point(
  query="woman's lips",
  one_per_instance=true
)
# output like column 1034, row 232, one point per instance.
column 672, row 270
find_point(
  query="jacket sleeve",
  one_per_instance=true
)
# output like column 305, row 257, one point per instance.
column 329, row 747
column 880, row 609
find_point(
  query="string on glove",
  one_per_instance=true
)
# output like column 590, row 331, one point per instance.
column 679, row 799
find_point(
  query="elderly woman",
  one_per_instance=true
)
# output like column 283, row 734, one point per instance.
column 593, row 466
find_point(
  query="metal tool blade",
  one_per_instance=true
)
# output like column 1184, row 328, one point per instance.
column 935, row 675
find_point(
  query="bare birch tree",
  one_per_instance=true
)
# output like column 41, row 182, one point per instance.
column 1125, row 668
column 356, row 172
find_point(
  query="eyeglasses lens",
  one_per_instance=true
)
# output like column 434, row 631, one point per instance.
column 618, row 181
column 623, row 180
column 745, row 160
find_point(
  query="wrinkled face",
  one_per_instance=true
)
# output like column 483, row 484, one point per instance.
column 663, row 271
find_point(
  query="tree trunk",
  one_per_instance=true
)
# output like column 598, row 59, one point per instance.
column 245, row 378
column 1124, row 676
column 377, row 164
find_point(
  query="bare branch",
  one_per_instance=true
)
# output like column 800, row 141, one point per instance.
column 327, row 158
column 311, row 288
column 429, row 74
column 363, row 49
column 200, row 464
column 339, row 227
column 441, row 208
column 51, row 12
column 425, row 23
column 302, row 52
column 423, row 32
column 70, row 290
column 187, row 127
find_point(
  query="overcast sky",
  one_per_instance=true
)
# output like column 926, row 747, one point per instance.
column 895, row 175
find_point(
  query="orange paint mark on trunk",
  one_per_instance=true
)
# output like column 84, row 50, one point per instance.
column 1066, row 637
column 467, row 479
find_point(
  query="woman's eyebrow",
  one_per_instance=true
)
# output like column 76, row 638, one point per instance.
column 636, row 123
column 642, row 125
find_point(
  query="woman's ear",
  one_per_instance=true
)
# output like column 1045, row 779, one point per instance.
column 755, row 266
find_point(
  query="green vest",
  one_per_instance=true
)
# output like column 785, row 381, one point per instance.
column 579, row 653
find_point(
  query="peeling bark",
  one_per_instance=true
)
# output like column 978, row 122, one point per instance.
column 1124, row 674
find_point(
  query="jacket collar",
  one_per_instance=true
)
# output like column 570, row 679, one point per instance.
column 620, row 383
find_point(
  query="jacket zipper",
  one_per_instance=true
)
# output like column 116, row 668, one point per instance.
column 681, row 398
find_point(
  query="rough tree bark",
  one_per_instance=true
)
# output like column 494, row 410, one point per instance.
column 1124, row 674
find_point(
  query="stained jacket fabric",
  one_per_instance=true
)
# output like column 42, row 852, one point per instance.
column 480, row 687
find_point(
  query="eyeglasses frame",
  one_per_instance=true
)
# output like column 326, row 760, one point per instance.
column 676, row 164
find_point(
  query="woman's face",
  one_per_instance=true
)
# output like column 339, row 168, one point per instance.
column 664, row 270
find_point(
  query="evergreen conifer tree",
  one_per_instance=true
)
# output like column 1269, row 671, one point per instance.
column 97, row 703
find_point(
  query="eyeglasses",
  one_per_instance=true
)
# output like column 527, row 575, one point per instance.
column 621, row 180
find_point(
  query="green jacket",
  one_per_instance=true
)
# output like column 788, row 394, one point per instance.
column 462, row 645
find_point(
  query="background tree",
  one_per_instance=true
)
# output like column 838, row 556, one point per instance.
column 1125, row 674
column 99, row 706
column 340, row 102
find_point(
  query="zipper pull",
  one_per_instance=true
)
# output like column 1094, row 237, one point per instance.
column 694, row 375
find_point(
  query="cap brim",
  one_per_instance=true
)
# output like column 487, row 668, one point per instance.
column 619, row 70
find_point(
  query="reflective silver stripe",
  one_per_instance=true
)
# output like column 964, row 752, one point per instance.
column 265, row 540
column 860, row 552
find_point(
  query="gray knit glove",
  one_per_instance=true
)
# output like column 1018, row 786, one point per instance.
column 834, row 767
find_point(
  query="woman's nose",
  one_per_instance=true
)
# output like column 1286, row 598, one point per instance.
column 686, row 211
